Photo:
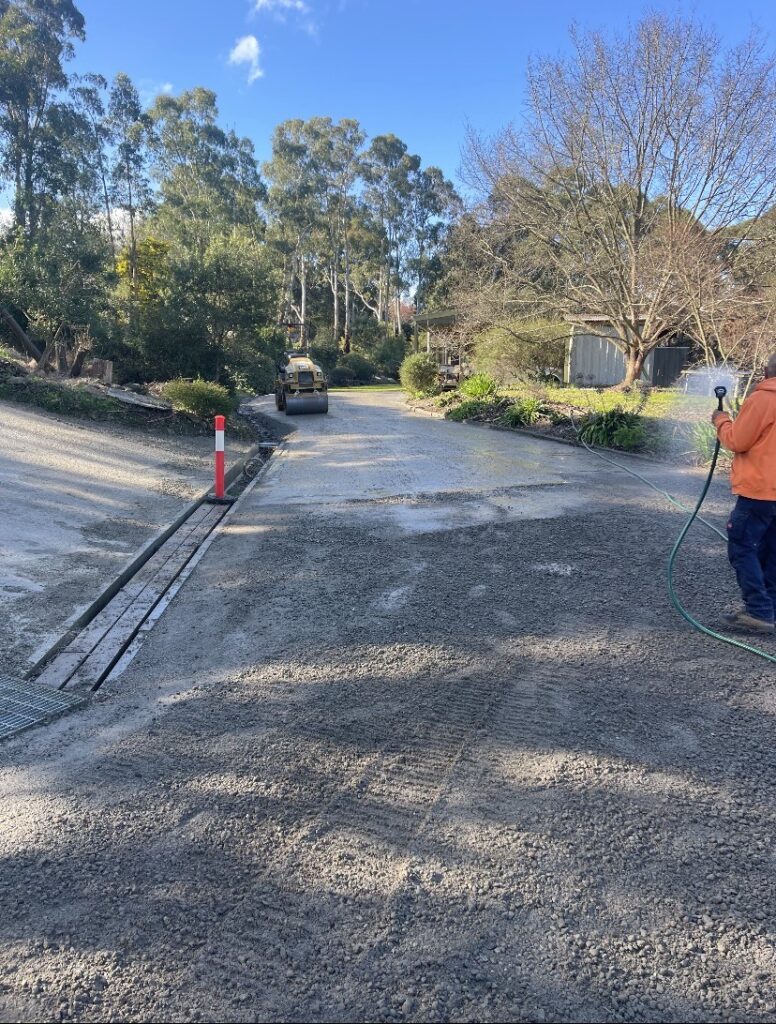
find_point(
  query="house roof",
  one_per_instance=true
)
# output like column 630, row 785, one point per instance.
column 588, row 318
column 437, row 318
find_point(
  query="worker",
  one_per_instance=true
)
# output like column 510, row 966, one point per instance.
column 752, row 525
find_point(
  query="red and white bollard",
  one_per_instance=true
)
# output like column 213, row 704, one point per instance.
column 218, row 496
column 220, row 423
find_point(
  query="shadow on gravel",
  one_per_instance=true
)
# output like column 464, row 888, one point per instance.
column 511, row 792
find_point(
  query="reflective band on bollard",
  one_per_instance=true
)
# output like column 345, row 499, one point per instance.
column 220, row 423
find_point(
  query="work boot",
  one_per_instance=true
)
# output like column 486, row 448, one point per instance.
column 747, row 623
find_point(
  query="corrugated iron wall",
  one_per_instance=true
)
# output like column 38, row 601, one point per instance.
column 669, row 363
column 596, row 362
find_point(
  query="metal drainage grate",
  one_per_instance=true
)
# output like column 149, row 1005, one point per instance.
column 25, row 704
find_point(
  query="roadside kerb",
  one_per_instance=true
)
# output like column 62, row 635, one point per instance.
column 136, row 562
column 540, row 436
column 137, row 642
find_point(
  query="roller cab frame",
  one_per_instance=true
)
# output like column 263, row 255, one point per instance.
column 300, row 385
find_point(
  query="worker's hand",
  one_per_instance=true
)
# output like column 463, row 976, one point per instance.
column 717, row 415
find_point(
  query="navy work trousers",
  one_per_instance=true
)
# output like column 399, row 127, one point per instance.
column 752, row 553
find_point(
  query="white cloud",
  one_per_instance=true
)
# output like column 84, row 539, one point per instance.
column 247, row 51
column 281, row 9
column 148, row 90
column 281, row 6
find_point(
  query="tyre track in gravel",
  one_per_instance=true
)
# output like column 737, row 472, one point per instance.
column 453, row 762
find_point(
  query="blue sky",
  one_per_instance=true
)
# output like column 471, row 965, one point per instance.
column 421, row 69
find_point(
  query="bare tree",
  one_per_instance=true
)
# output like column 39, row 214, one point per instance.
column 632, row 152
column 730, row 289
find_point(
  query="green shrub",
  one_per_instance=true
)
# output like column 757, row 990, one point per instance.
column 468, row 410
column 520, row 350
column 446, row 399
column 630, row 438
column 253, row 376
column 615, row 428
column 389, row 356
column 201, row 398
column 341, row 376
column 352, row 368
column 418, row 374
column 523, row 412
column 361, row 368
column 479, row 385
column 704, row 439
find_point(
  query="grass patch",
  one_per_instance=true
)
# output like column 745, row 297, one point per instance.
column 69, row 401
column 662, row 422
column 367, row 387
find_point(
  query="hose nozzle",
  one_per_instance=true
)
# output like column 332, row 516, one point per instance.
column 720, row 391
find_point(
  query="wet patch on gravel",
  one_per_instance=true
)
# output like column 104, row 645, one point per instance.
column 409, row 776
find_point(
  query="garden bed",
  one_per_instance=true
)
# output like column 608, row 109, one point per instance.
column 86, row 399
column 670, row 425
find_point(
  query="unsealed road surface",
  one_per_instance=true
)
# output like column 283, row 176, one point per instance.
column 77, row 499
column 420, row 739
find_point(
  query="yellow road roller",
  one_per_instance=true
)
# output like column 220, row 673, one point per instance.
column 300, row 385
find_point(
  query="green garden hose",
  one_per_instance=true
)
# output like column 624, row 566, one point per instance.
column 678, row 543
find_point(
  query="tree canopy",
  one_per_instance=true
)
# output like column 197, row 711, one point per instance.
column 157, row 230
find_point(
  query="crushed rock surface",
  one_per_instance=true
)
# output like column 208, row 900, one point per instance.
column 77, row 499
column 368, row 771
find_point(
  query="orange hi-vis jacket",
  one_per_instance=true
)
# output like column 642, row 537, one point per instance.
column 752, row 436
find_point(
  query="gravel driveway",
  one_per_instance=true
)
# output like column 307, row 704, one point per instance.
column 77, row 499
column 420, row 740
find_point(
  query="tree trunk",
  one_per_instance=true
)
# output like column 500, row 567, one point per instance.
column 132, row 241
column 633, row 366
column 51, row 345
column 303, row 309
column 348, row 297
column 20, row 334
column 62, row 366
column 28, row 200
column 286, row 298
column 335, row 297
column 106, row 200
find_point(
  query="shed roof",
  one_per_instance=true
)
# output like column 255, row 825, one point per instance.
column 437, row 318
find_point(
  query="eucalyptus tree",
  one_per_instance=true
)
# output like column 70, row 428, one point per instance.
column 207, row 177
column 36, row 41
column 336, row 151
column 87, row 96
column 208, row 213
column 130, row 187
column 388, row 171
column 433, row 202
column 294, row 204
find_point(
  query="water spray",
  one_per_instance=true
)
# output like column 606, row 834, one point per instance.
column 719, row 391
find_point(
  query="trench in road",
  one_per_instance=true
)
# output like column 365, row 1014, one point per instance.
column 111, row 635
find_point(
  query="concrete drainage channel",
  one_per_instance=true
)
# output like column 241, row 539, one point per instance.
column 104, row 639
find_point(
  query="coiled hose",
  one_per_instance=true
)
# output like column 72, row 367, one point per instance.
column 678, row 543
